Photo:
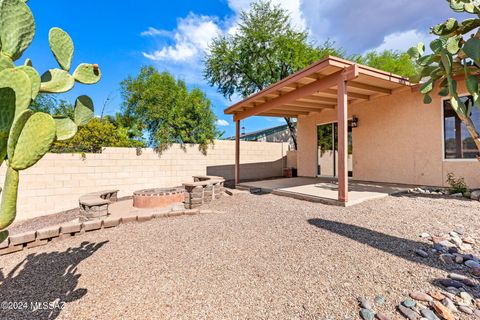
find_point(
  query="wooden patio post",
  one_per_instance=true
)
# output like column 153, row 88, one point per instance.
column 342, row 107
column 237, row 152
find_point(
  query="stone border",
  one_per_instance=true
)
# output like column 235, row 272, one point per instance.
column 204, row 189
column 41, row 237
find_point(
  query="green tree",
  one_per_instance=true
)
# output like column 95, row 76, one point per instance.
column 455, row 53
column 96, row 135
column 265, row 49
column 390, row 60
column 167, row 110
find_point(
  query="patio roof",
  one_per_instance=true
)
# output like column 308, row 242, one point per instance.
column 315, row 88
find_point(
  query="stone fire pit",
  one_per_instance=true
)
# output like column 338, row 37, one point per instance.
column 158, row 197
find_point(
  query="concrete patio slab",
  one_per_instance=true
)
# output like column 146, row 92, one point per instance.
column 324, row 190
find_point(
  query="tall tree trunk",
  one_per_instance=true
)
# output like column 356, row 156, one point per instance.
column 472, row 130
column 293, row 131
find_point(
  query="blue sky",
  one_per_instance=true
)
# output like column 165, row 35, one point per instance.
column 122, row 36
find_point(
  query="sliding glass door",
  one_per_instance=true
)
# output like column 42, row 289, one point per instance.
column 327, row 150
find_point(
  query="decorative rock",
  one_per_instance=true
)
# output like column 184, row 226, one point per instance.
column 382, row 316
column 470, row 282
column 475, row 272
column 429, row 314
column 364, row 303
column 367, row 314
column 453, row 290
column 446, row 258
column 477, row 313
column 409, row 303
column 457, row 195
column 435, row 294
column 451, row 283
column 379, row 300
column 458, row 258
column 449, row 304
column 458, row 242
column 465, row 309
column 466, row 247
column 472, row 264
column 421, row 253
column 446, row 243
column 436, row 239
column 469, row 240
column 442, row 311
column 420, row 296
column 408, row 313
column 475, row 195
column 467, row 299
column 456, row 276
column 424, row 235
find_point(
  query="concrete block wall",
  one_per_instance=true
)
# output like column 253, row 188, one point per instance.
column 56, row 182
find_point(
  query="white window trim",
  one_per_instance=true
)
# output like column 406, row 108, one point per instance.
column 442, row 119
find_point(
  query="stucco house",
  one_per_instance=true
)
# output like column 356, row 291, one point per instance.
column 368, row 124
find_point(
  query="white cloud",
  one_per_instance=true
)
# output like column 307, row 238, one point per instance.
column 152, row 32
column 222, row 123
column 191, row 39
column 403, row 40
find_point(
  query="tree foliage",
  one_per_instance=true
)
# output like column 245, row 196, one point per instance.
column 455, row 53
column 167, row 110
column 393, row 61
column 267, row 48
column 96, row 135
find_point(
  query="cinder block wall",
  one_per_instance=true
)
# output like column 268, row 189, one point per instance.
column 57, row 181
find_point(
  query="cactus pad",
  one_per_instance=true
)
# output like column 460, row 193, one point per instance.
column 19, row 81
column 5, row 62
column 66, row 128
column 62, row 47
column 56, row 81
column 8, row 208
column 7, row 104
column 17, row 27
column 28, row 62
column 35, row 140
column 3, row 235
column 83, row 110
column 34, row 79
column 87, row 73
column 15, row 131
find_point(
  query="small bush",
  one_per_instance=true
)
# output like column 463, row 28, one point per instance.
column 457, row 185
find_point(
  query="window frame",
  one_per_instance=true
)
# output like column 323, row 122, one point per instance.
column 442, row 119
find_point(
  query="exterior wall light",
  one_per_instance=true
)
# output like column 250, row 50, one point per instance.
column 354, row 122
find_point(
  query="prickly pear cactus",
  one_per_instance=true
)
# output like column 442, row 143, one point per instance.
column 25, row 136
column 454, row 53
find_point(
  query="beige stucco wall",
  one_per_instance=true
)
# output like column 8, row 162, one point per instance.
column 399, row 139
column 57, row 181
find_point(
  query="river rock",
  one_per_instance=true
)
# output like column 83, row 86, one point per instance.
column 456, row 276
column 364, row 303
column 465, row 309
column 446, row 258
column 367, row 314
column 420, row 296
column 449, row 304
column 465, row 247
column 466, row 299
column 379, row 300
column 472, row 264
column 450, row 283
column 470, row 282
column 382, row 316
column 435, row 294
column 442, row 311
column 421, row 253
column 429, row 314
column 475, row 195
column 424, row 235
column 469, row 240
column 409, row 303
column 457, row 195
column 407, row 312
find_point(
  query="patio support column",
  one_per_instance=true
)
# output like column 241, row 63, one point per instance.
column 237, row 152
column 342, row 112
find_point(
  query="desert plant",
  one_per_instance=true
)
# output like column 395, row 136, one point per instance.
column 26, row 136
column 453, row 56
column 457, row 185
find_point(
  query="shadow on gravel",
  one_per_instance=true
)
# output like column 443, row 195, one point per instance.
column 42, row 284
column 400, row 247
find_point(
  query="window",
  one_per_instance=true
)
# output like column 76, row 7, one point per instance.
column 457, row 141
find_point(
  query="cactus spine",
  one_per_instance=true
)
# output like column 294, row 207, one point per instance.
column 25, row 136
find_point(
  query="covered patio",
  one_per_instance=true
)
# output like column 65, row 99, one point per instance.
column 330, row 84
column 323, row 190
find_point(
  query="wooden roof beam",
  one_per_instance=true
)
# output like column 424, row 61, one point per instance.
column 368, row 87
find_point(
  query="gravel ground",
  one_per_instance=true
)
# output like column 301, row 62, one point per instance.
column 44, row 221
column 266, row 257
